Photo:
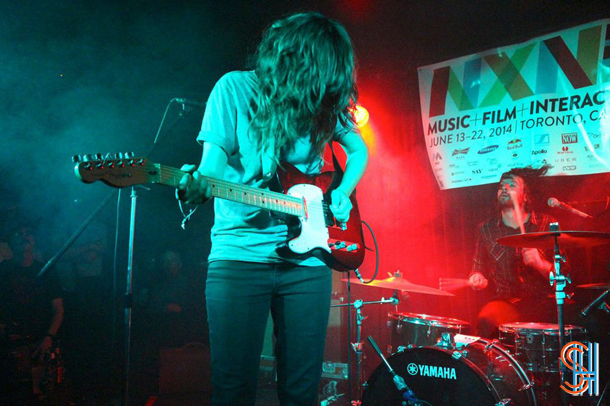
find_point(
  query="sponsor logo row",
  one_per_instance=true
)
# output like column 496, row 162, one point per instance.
column 540, row 145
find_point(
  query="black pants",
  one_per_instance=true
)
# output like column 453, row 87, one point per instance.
column 239, row 297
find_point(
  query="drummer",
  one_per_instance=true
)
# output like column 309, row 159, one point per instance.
column 518, row 276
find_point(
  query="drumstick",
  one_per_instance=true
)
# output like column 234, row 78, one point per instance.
column 452, row 284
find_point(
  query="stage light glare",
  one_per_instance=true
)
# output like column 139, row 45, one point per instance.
column 361, row 115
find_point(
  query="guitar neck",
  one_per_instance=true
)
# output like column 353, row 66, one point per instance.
column 235, row 192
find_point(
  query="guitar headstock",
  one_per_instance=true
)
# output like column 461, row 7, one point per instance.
column 116, row 170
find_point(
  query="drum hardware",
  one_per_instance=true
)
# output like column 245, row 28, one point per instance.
column 357, row 346
column 599, row 303
column 527, row 386
column 491, row 344
column 446, row 341
column 398, row 380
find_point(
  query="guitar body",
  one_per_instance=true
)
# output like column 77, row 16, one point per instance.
column 342, row 246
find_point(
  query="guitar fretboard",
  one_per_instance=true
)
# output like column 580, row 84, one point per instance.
column 252, row 196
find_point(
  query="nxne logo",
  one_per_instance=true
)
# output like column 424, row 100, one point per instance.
column 569, row 138
column 509, row 68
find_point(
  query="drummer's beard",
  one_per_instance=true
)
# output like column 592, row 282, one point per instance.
column 504, row 202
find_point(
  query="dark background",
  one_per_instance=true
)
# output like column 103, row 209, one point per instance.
column 86, row 76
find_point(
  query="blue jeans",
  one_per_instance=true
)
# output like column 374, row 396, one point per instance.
column 239, row 297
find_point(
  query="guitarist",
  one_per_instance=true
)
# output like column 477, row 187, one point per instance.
column 297, row 99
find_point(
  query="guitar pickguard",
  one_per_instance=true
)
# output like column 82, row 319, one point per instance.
column 314, row 233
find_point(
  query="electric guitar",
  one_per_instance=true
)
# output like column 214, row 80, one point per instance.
column 304, row 203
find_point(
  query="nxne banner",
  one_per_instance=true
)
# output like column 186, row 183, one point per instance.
column 546, row 100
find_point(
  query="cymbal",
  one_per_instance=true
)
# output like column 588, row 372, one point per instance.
column 595, row 286
column 402, row 284
column 566, row 239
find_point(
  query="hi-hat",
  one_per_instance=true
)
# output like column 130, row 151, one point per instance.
column 566, row 239
column 402, row 284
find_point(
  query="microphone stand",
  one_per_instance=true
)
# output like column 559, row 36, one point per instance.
column 560, row 281
column 128, row 298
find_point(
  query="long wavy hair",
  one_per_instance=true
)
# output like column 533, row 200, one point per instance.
column 305, row 65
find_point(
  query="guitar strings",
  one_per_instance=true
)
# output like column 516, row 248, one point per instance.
column 232, row 188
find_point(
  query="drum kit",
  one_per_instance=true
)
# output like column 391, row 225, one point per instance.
column 434, row 363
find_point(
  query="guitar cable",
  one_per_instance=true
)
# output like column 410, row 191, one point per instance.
column 376, row 256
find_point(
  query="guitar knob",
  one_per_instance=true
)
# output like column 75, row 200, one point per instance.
column 99, row 156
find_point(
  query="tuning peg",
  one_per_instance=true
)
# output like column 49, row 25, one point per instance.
column 129, row 155
column 77, row 159
column 118, row 155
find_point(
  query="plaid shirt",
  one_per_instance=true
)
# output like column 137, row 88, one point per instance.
column 503, row 265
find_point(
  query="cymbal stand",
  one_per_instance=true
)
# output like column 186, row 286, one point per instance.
column 357, row 346
column 560, row 281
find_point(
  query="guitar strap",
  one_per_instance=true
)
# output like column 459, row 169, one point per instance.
column 336, row 164
column 337, row 167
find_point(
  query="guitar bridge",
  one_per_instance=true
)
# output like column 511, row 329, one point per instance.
column 337, row 245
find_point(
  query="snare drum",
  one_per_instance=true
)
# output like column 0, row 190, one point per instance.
column 536, row 345
column 483, row 373
column 420, row 330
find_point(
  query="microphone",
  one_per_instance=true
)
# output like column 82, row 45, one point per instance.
column 594, row 303
column 188, row 102
column 552, row 202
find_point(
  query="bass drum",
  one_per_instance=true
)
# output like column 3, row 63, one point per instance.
column 483, row 373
